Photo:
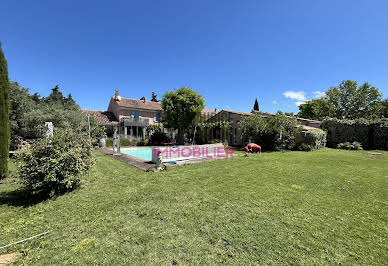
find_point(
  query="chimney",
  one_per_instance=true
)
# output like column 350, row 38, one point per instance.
column 117, row 95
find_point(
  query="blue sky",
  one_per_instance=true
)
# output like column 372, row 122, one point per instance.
column 282, row 52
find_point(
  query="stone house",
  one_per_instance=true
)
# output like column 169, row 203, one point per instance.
column 131, row 116
column 231, row 135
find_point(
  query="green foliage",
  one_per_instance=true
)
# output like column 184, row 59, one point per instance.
column 302, row 147
column 316, row 109
column 385, row 108
column 350, row 146
column 346, row 101
column 256, row 105
column 159, row 136
column 97, row 132
column 55, row 164
column 109, row 142
column 380, row 134
column 275, row 133
column 125, row 142
column 315, row 138
column 181, row 109
column 142, row 142
column 4, row 115
column 29, row 112
column 371, row 134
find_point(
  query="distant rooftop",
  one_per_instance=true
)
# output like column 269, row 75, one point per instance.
column 102, row 117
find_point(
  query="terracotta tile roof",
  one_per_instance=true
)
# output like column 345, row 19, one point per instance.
column 102, row 118
column 306, row 128
column 209, row 111
column 132, row 103
column 237, row 112
column 148, row 105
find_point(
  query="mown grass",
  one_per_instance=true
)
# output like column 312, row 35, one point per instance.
column 322, row 207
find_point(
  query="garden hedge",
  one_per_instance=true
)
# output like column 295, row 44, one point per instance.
column 371, row 134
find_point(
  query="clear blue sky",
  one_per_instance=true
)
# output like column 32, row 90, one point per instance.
column 229, row 51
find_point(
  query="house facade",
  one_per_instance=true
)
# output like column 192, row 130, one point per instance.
column 131, row 116
column 233, row 134
column 134, row 115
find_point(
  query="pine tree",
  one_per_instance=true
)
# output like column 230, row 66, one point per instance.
column 4, row 115
column 256, row 105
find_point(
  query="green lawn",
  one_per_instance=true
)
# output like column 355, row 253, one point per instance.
column 322, row 207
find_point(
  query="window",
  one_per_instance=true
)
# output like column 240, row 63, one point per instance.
column 156, row 116
column 135, row 114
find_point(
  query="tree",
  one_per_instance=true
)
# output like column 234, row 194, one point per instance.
column 153, row 97
column 346, row 101
column 181, row 108
column 4, row 115
column 385, row 108
column 351, row 102
column 256, row 105
column 29, row 112
column 317, row 109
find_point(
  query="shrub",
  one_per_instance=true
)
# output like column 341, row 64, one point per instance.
column 344, row 146
column 302, row 147
column 56, row 164
column 125, row 142
column 315, row 138
column 274, row 133
column 109, row 142
column 159, row 137
column 97, row 132
column 356, row 146
column 380, row 134
column 350, row 146
column 142, row 142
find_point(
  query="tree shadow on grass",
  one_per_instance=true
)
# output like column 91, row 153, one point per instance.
column 25, row 197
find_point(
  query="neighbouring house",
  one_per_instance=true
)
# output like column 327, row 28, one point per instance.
column 104, row 118
column 231, row 135
column 132, row 116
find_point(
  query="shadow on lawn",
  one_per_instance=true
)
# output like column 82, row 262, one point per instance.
column 21, row 198
column 25, row 197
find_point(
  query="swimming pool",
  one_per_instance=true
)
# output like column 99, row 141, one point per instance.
column 142, row 153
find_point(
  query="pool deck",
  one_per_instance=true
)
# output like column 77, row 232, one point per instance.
column 139, row 163
column 146, row 165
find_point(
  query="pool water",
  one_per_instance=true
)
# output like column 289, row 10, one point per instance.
column 143, row 153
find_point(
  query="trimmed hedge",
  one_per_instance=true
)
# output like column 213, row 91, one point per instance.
column 370, row 134
column 315, row 138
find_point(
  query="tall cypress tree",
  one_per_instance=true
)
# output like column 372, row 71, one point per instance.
column 4, row 114
column 256, row 105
